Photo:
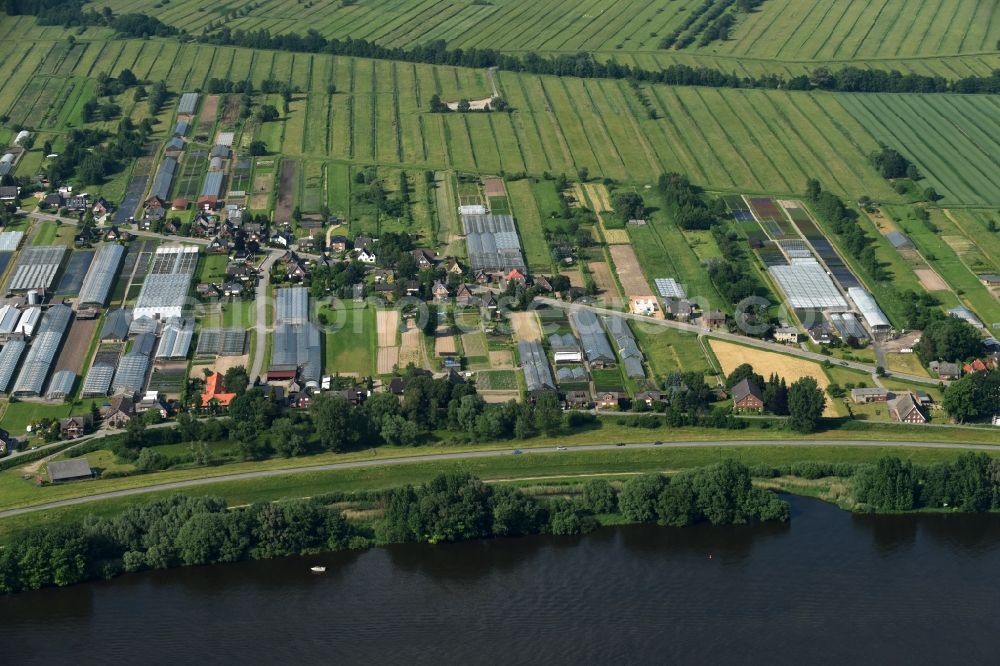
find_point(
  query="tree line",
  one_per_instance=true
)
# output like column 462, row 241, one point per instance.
column 182, row 531
column 971, row 483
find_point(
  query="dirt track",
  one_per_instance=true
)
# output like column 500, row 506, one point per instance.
column 629, row 272
column 209, row 109
column 601, row 272
column 286, row 191
column 77, row 344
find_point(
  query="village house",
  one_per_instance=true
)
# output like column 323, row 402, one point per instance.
column 517, row 277
column 714, row 319
column 363, row 242
column 453, row 267
column 786, row 335
column 577, row 400
column 152, row 402
column 990, row 279
column 52, row 200
column 464, row 296
column 75, row 426
column 114, row 234
column 338, row 244
column 424, row 257
column 679, row 309
column 366, row 256
column 611, row 400
column 747, row 397
column 100, row 210
column 904, row 409
column 6, row 442
column 652, row 398
column 489, row 305
column 215, row 393
column 439, row 291
column 120, row 412
column 945, row 370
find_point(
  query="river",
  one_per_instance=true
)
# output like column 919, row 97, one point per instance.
column 829, row 587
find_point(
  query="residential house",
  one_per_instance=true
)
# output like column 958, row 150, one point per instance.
column 714, row 319
column 454, row 267
column 424, row 257
column 482, row 277
column 152, row 401
column 77, row 203
column 180, row 203
column 786, row 334
column 990, row 279
column 611, row 400
column 120, row 412
column 542, row 284
column 412, row 288
column 366, row 256
column 363, row 242
column 439, row 291
column 52, row 200
column 577, row 400
column 114, row 234
column 679, row 309
column 215, row 393
column 946, row 370
column 218, row 246
column 977, row 366
column 820, row 333
column 747, row 397
column 154, row 203
column 863, row 396
column 652, row 398
column 516, row 277
column 904, row 409
column 9, row 192
column 338, row 244
column 489, row 304
column 234, row 289
column 100, row 210
column 75, row 426
column 464, row 296
column 644, row 305
column 208, row 290
column 384, row 275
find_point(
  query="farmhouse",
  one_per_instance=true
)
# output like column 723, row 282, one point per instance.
column 990, row 279
column 120, row 412
column 904, row 409
column 747, row 397
column 75, row 426
column 215, row 392
column 786, row 334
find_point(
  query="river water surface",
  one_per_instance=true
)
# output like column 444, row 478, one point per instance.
column 828, row 587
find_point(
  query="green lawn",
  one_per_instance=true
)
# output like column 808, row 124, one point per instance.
column 45, row 233
column 350, row 347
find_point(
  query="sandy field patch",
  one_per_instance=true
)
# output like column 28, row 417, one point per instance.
column 473, row 344
column 388, row 326
column 580, row 199
column 526, row 327
column 209, row 109
column 411, row 349
column 616, row 236
column 500, row 360
column 601, row 272
column 494, row 187
column 575, row 278
column 499, row 397
column 764, row 363
column 960, row 244
column 388, row 358
column 220, row 364
column 930, row 280
column 629, row 272
column 444, row 345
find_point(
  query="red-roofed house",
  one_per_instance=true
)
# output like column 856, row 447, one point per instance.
column 516, row 276
column 214, row 390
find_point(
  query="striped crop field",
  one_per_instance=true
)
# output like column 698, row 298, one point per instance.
column 953, row 139
column 859, row 29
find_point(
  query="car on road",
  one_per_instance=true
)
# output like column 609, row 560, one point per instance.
column 657, row 443
column 518, row 452
column 561, row 448
column 620, row 444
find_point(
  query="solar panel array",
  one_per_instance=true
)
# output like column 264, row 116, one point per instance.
column 595, row 343
column 221, row 342
column 537, row 375
column 492, row 243
column 42, row 353
column 37, row 267
column 806, row 285
column 10, row 355
column 98, row 380
column 99, row 279
column 669, row 288
column 61, row 385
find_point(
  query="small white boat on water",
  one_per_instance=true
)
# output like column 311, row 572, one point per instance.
column 318, row 569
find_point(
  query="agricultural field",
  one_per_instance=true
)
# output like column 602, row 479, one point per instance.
column 953, row 139
column 350, row 343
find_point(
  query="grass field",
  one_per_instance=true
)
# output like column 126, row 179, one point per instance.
column 953, row 139
column 349, row 348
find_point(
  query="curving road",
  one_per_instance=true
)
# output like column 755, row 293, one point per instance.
column 470, row 455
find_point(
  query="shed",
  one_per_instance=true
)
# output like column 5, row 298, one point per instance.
column 899, row 240
column 70, row 470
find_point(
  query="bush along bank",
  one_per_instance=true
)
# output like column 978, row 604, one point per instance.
column 181, row 530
